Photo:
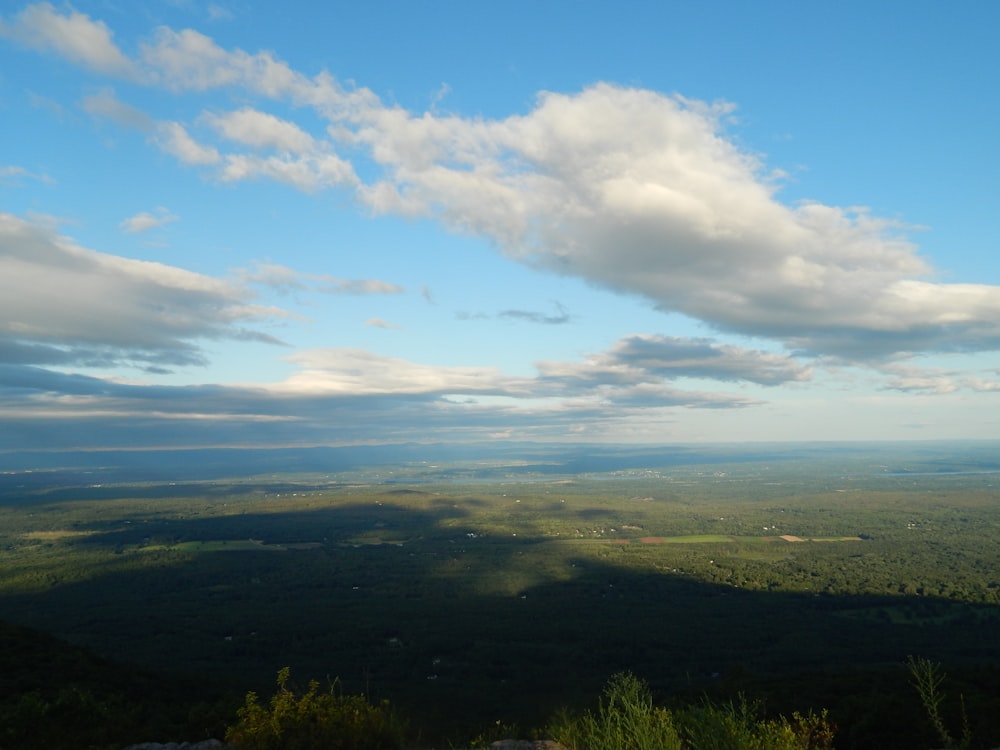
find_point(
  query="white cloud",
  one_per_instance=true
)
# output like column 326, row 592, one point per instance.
column 333, row 285
column 982, row 386
column 938, row 385
column 174, row 139
column 643, row 193
column 357, row 372
column 261, row 130
column 190, row 61
column 73, row 35
column 912, row 378
column 61, row 303
column 337, row 395
column 144, row 221
column 602, row 383
column 285, row 279
column 13, row 175
column 308, row 173
column 632, row 190
column 278, row 277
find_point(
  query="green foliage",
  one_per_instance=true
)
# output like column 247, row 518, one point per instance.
column 458, row 597
column 55, row 695
column 739, row 726
column 68, row 718
column 313, row 721
column 626, row 719
column 927, row 678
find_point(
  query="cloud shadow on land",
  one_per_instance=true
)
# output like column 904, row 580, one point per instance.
column 458, row 626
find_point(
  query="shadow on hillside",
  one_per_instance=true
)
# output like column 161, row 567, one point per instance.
column 461, row 630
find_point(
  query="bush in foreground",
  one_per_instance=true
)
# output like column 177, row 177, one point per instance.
column 740, row 726
column 627, row 719
column 314, row 721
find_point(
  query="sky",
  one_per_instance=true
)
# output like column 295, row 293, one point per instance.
column 247, row 223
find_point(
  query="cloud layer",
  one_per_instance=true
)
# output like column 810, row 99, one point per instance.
column 351, row 395
column 61, row 304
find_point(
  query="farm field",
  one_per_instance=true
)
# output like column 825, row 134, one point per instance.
column 468, row 592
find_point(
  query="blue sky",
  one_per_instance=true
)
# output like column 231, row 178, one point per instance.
column 251, row 223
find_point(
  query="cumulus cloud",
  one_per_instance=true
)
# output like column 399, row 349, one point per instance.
column 64, row 304
column 633, row 190
column 144, row 221
column 643, row 193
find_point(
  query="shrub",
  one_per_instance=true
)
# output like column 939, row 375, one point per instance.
column 739, row 726
column 626, row 719
column 314, row 721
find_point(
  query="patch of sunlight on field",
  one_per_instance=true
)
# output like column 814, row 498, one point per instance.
column 688, row 539
column 229, row 545
column 55, row 535
column 834, row 539
column 710, row 539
